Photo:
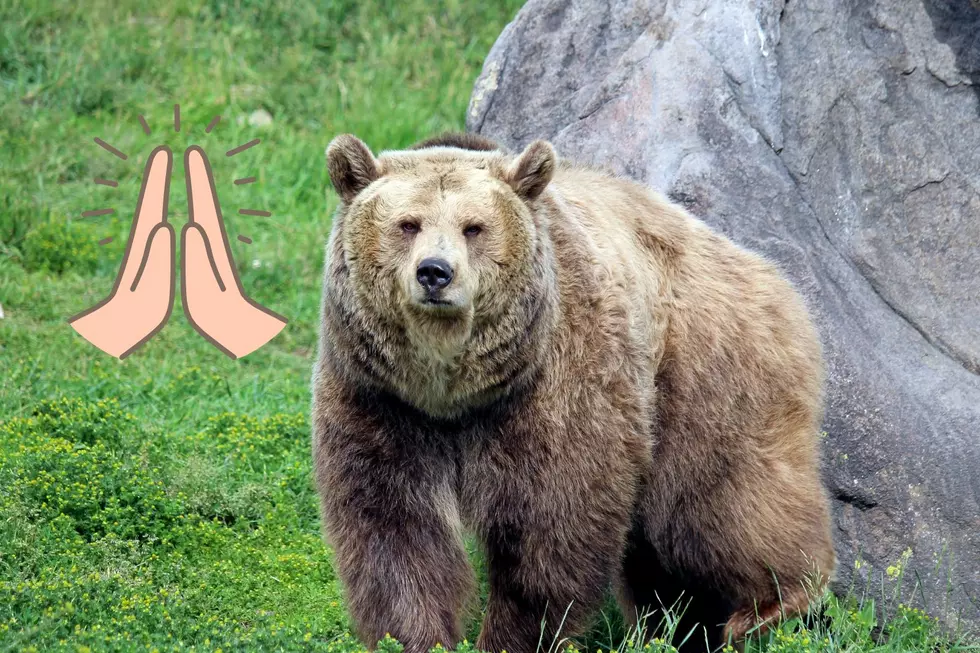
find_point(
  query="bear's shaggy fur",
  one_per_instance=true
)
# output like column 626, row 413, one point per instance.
column 607, row 393
column 464, row 141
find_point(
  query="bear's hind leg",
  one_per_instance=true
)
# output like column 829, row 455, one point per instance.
column 760, row 534
column 757, row 621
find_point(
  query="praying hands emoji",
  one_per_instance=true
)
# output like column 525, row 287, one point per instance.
column 142, row 298
column 143, row 295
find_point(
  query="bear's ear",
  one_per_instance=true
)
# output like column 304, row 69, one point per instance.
column 351, row 165
column 532, row 170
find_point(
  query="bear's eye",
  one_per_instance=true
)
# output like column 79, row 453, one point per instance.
column 472, row 230
column 409, row 227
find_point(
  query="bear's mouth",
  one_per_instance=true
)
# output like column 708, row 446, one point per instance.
column 435, row 301
column 438, row 307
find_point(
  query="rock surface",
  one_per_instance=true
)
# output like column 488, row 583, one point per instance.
column 841, row 138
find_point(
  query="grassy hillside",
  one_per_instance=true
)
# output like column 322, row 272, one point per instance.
column 165, row 502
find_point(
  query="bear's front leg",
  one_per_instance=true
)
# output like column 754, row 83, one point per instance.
column 553, row 513
column 390, row 514
column 544, row 585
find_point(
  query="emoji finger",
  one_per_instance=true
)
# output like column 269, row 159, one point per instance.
column 205, row 211
column 151, row 211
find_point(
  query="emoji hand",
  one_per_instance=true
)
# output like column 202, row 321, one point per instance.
column 142, row 297
column 214, row 301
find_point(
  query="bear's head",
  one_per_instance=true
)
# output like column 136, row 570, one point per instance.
column 438, row 258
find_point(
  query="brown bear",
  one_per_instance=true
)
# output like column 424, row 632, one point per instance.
column 597, row 386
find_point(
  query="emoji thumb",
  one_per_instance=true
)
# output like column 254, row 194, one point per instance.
column 155, row 273
column 200, row 279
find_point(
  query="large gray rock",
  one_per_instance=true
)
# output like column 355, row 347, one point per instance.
column 842, row 139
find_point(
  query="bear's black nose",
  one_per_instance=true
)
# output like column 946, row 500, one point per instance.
column 434, row 274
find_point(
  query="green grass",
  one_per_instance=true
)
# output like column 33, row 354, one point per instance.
column 165, row 501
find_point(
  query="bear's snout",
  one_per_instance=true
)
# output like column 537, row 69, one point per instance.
column 434, row 274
